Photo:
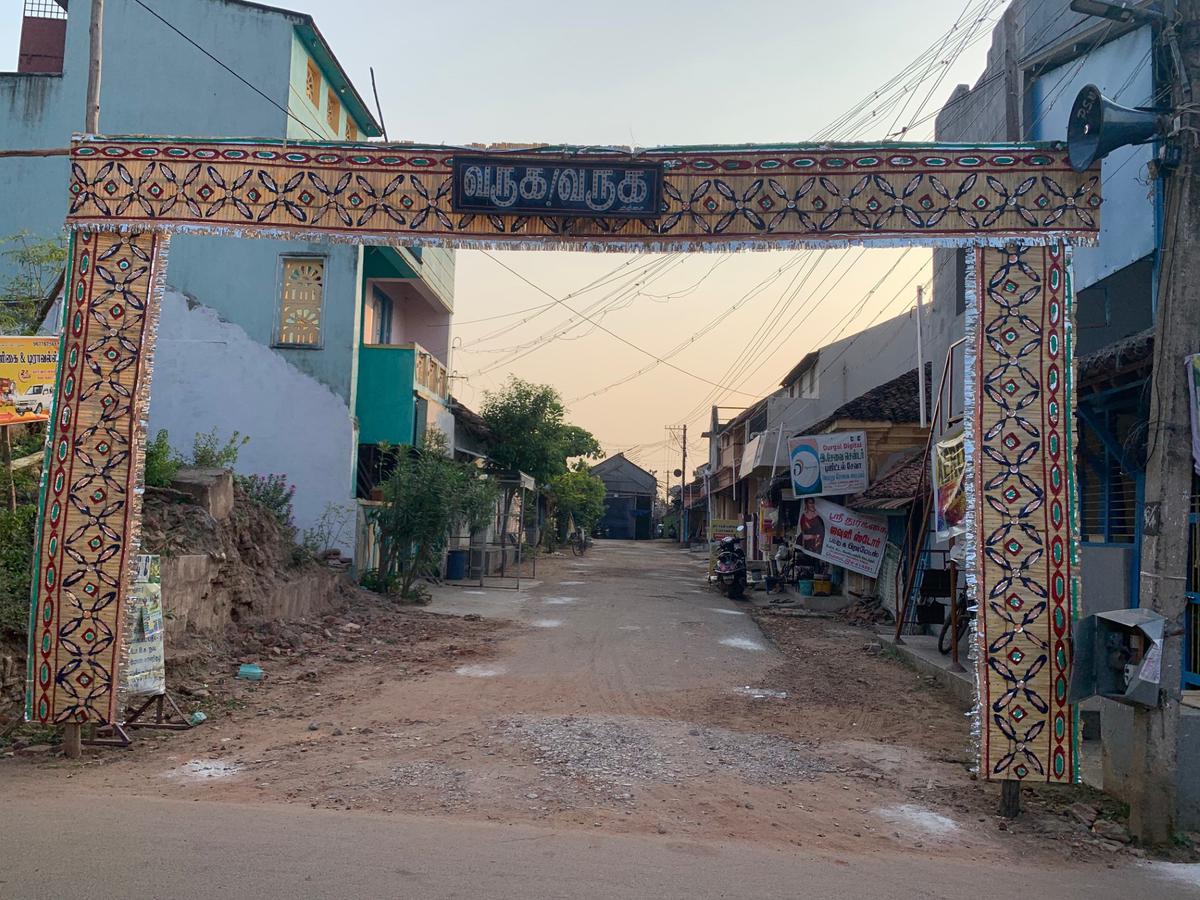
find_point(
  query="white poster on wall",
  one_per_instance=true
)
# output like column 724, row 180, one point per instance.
column 842, row 537
column 824, row 464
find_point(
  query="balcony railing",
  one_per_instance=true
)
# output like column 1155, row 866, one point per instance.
column 431, row 374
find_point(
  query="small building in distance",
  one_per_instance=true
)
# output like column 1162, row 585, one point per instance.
column 629, row 492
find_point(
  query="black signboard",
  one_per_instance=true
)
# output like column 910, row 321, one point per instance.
column 504, row 185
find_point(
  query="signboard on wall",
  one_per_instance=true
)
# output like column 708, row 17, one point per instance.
column 824, row 464
column 547, row 187
column 949, row 495
column 842, row 537
column 27, row 370
column 146, row 672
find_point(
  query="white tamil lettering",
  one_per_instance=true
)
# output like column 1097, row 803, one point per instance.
column 504, row 190
column 603, row 193
column 533, row 185
column 633, row 190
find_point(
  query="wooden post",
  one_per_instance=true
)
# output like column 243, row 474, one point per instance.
column 72, row 740
column 95, row 55
column 1010, row 799
column 6, row 455
column 955, row 665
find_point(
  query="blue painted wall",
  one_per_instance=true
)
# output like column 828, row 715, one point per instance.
column 156, row 83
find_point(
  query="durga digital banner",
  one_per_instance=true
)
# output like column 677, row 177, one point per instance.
column 829, row 463
column 28, row 367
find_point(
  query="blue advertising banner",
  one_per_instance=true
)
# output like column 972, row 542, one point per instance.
column 828, row 464
column 546, row 187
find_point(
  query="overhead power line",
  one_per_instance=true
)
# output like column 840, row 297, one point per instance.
column 609, row 331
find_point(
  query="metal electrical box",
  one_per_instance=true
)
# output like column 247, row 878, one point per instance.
column 1118, row 655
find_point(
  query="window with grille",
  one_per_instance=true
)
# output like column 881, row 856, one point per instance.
column 45, row 9
column 301, row 301
column 312, row 84
column 1108, row 493
column 1191, row 659
column 333, row 115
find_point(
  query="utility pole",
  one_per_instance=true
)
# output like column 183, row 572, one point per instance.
column 1155, row 764
column 91, row 123
column 683, row 481
column 920, row 359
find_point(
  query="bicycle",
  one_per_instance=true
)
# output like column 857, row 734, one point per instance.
column 580, row 543
column 964, row 622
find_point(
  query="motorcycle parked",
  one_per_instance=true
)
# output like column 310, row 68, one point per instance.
column 730, row 572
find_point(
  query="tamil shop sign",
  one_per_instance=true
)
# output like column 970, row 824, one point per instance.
column 827, row 464
column 545, row 187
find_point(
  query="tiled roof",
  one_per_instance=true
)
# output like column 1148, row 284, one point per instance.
column 895, row 401
column 1137, row 349
column 897, row 487
column 470, row 421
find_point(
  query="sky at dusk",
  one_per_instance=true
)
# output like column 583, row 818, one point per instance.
column 643, row 73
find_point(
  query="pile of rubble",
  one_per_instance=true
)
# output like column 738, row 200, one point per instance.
column 866, row 613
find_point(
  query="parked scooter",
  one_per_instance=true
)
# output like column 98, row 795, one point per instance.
column 730, row 573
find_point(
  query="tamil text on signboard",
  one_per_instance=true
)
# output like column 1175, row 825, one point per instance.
column 842, row 537
column 146, row 673
column 27, row 371
column 545, row 187
column 824, row 464
column 949, row 496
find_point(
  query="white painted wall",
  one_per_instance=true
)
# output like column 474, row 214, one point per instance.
column 208, row 372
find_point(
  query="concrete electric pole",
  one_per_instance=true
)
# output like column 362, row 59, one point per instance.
column 682, row 484
column 1164, row 561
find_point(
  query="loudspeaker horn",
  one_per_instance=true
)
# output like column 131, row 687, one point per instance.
column 1098, row 126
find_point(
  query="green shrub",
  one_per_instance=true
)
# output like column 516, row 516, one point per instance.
column 209, row 453
column 272, row 493
column 16, row 568
column 162, row 463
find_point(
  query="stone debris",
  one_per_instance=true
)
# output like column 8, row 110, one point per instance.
column 1083, row 813
column 1110, row 831
column 621, row 749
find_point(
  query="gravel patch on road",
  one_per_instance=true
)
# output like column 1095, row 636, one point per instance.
column 621, row 748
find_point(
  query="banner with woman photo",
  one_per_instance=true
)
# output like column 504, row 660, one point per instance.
column 842, row 537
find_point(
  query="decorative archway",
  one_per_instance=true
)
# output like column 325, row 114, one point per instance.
column 1018, row 206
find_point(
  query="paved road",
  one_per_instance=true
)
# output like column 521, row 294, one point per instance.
column 188, row 851
column 627, row 632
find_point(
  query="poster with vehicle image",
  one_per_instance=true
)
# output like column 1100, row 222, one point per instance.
column 28, row 366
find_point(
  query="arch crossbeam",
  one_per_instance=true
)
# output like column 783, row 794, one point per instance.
column 766, row 197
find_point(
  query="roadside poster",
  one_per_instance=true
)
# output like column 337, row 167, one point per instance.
column 824, row 464
column 723, row 528
column 146, row 670
column 27, row 370
column 1193, row 376
column 949, row 492
column 842, row 537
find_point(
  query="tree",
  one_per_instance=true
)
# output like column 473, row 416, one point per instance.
column 531, row 435
column 579, row 494
column 25, row 297
column 427, row 495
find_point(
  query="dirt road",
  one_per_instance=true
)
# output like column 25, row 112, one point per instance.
column 618, row 696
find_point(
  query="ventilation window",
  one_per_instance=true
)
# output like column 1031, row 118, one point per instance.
column 301, row 300
column 333, row 115
column 312, row 84
column 351, row 130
